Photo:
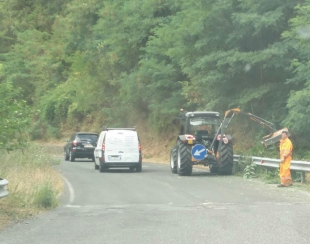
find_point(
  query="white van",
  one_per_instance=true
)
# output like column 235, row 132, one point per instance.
column 118, row 147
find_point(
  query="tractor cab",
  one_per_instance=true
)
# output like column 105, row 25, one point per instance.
column 203, row 130
column 203, row 126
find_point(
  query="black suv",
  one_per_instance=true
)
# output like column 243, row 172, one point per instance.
column 80, row 145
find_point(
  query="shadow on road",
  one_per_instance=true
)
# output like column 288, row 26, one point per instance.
column 80, row 160
column 202, row 174
column 121, row 170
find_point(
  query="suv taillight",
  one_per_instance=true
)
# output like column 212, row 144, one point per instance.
column 103, row 146
column 74, row 143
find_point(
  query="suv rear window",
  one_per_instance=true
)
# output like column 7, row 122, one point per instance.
column 87, row 137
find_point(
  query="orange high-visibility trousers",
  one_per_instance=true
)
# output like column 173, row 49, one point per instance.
column 286, row 148
column 285, row 172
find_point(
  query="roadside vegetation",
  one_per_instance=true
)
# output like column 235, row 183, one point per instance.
column 246, row 169
column 34, row 185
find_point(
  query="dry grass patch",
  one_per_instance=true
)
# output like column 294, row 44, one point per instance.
column 27, row 186
column 156, row 147
column 34, row 185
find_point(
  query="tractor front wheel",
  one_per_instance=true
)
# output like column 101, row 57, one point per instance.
column 185, row 166
column 174, row 160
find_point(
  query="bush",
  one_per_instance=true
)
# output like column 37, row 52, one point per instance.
column 54, row 132
column 45, row 196
column 271, row 176
column 249, row 171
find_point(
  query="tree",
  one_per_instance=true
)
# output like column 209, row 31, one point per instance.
column 14, row 118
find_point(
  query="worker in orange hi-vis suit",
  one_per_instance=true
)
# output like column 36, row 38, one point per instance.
column 286, row 148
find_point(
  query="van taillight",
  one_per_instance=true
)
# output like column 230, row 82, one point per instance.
column 103, row 146
column 139, row 146
column 74, row 143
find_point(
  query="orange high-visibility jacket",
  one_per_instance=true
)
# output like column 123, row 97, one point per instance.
column 286, row 148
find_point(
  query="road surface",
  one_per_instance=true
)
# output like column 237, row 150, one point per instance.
column 156, row 206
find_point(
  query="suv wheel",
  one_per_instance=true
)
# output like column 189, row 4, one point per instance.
column 72, row 158
column 66, row 155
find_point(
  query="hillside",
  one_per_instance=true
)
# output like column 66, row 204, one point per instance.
column 71, row 63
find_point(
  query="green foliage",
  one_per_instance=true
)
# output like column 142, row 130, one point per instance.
column 272, row 176
column 297, row 38
column 53, row 132
column 298, row 176
column 259, row 150
column 14, row 118
column 241, row 164
column 299, row 108
column 45, row 196
column 249, row 171
column 120, row 58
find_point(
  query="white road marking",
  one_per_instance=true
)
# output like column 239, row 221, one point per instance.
column 73, row 206
column 71, row 190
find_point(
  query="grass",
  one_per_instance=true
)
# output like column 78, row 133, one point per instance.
column 34, row 186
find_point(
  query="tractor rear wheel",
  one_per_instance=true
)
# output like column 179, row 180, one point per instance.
column 174, row 160
column 226, row 159
column 185, row 166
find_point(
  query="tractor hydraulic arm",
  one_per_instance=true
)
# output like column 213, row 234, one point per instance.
column 230, row 113
column 267, row 140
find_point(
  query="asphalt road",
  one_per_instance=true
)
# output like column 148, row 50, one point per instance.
column 156, row 206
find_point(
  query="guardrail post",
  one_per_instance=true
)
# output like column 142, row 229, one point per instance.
column 303, row 178
column 3, row 188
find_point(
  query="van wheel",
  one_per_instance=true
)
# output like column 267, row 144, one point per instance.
column 139, row 167
column 102, row 167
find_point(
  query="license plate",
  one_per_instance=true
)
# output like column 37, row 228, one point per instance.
column 114, row 158
column 88, row 146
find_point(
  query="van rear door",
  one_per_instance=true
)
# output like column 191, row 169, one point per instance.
column 121, row 146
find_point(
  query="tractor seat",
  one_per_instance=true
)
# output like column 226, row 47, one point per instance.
column 200, row 134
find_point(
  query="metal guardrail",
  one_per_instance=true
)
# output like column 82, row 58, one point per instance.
column 3, row 188
column 274, row 163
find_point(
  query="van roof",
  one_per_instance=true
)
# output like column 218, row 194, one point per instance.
column 90, row 133
column 106, row 129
